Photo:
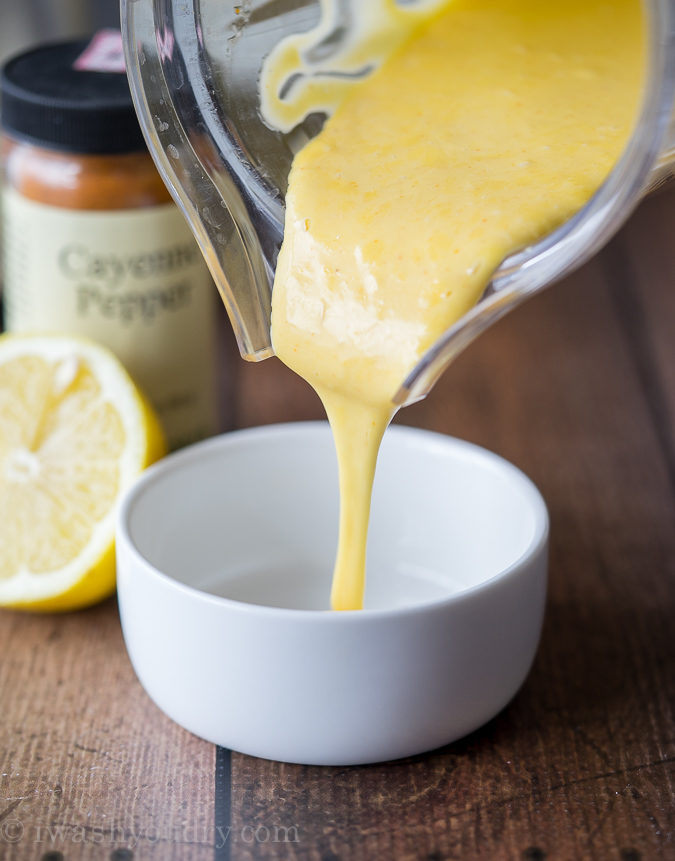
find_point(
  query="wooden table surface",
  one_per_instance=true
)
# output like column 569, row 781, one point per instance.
column 577, row 387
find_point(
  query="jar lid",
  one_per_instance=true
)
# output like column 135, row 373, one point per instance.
column 46, row 99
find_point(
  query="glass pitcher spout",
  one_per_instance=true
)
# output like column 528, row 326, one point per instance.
column 235, row 212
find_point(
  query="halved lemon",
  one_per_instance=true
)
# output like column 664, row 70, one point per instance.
column 74, row 434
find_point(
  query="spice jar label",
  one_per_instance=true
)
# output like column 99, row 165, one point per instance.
column 104, row 53
column 133, row 280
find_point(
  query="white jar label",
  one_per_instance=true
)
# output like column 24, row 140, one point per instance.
column 133, row 280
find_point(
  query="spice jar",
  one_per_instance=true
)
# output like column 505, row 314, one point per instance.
column 92, row 242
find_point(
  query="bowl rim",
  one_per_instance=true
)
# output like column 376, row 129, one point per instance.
column 183, row 458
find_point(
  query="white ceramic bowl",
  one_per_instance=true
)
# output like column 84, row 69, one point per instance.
column 225, row 552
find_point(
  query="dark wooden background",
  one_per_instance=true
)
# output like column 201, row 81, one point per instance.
column 577, row 387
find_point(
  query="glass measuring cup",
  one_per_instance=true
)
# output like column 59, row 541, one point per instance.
column 194, row 71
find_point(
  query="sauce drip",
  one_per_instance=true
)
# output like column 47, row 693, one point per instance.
column 485, row 131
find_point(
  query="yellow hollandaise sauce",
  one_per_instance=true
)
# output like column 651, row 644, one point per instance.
column 488, row 128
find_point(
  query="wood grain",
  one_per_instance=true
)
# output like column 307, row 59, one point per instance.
column 88, row 764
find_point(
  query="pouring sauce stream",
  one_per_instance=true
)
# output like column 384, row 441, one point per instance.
column 493, row 124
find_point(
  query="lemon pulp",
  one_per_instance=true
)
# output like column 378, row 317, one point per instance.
column 74, row 433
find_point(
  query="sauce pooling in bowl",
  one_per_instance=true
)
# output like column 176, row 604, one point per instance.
column 484, row 132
